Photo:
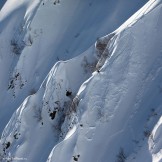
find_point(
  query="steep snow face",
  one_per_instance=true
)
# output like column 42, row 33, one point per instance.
column 104, row 105
column 120, row 105
column 34, row 34
column 46, row 117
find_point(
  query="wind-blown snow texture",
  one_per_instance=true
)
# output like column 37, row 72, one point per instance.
column 101, row 106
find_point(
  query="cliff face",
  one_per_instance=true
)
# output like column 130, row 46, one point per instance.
column 103, row 105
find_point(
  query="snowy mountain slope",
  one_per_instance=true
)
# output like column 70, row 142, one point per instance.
column 102, row 106
column 120, row 105
column 41, row 116
column 11, row 35
column 36, row 34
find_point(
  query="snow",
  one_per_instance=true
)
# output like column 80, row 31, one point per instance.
column 2, row 3
column 34, row 116
column 121, row 110
column 102, row 105
column 34, row 35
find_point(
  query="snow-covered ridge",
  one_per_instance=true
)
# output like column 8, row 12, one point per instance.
column 34, row 35
column 118, row 115
column 49, row 113
column 104, row 105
